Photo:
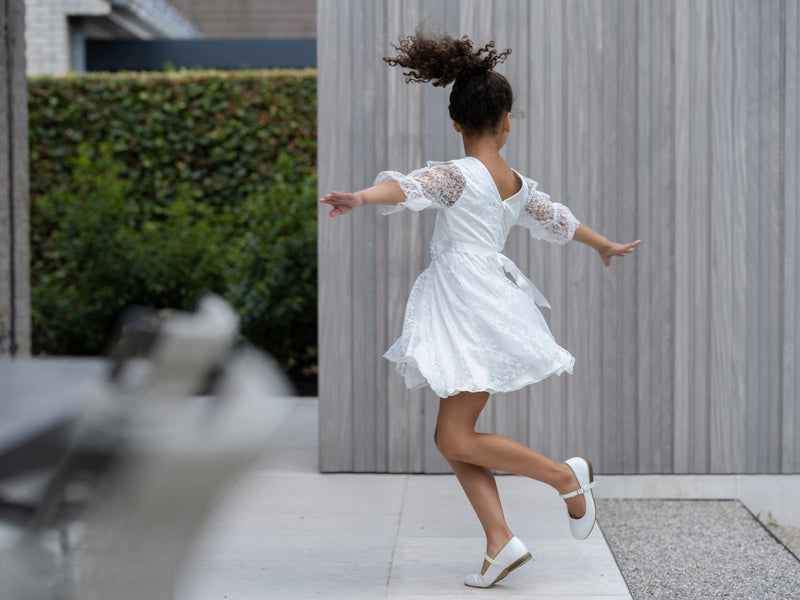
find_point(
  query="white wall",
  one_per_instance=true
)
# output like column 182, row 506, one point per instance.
column 47, row 32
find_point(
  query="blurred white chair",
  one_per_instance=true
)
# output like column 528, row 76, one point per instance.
column 148, row 457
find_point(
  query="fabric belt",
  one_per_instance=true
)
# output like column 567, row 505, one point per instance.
column 503, row 263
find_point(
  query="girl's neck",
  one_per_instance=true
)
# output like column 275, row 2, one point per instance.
column 485, row 147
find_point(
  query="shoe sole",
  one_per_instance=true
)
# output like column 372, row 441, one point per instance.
column 591, row 493
column 515, row 565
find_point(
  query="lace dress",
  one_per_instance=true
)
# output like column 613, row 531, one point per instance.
column 472, row 321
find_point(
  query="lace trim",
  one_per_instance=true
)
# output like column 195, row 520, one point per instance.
column 438, row 185
column 546, row 220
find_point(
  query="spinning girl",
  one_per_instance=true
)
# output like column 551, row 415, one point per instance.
column 469, row 329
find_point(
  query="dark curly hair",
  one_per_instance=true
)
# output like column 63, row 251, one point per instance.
column 480, row 97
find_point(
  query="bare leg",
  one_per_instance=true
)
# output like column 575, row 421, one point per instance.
column 481, row 490
column 458, row 442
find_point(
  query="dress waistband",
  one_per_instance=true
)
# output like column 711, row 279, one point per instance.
column 503, row 262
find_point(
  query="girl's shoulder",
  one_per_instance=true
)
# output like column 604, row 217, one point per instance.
column 466, row 167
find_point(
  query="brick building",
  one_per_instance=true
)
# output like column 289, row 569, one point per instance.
column 56, row 30
column 252, row 18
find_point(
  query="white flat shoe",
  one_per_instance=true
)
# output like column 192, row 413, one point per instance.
column 514, row 554
column 581, row 528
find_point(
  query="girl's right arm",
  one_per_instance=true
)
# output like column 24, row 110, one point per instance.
column 387, row 193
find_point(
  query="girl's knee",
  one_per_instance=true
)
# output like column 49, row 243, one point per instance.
column 452, row 444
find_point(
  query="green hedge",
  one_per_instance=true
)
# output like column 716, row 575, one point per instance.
column 151, row 188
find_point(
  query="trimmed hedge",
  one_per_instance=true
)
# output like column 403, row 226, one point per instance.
column 150, row 188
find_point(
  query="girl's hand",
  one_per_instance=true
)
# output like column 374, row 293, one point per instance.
column 342, row 202
column 615, row 249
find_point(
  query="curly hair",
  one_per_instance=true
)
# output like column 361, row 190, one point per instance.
column 480, row 97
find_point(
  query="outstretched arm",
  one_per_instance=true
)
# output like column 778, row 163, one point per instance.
column 387, row 192
column 605, row 248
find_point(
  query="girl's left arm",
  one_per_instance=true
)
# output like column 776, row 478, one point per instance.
column 386, row 193
column 605, row 248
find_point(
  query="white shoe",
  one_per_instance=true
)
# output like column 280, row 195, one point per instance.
column 514, row 554
column 581, row 528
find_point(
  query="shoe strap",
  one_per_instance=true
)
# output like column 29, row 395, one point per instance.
column 493, row 562
column 579, row 491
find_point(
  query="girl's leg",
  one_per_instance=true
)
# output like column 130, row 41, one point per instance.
column 457, row 441
column 479, row 485
column 481, row 490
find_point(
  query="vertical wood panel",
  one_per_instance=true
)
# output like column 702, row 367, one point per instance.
column 771, row 69
column 739, row 231
column 790, row 460
column 401, row 137
column 608, row 222
column 752, row 128
column 335, row 250
column 576, row 69
column 684, row 62
column 699, row 239
column 722, row 93
column 662, row 328
column 361, row 166
column 627, row 210
column 676, row 122
column 592, row 297
column 729, row 227
column 647, row 262
column 379, row 147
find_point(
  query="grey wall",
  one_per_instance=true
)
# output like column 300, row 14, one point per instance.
column 671, row 121
column 14, row 247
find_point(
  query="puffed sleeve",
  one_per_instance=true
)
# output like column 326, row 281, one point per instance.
column 439, row 185
column 546, row 220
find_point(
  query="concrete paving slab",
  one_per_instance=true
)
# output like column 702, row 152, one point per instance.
column 299, row 538
column 560, row 568
column 493, row 594
column 262, row 580
column 287, row 460
column 436, row 506
column 286, row 531
column 301, row 493
column 533, row 509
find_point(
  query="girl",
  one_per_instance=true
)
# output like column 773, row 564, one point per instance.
column 472, row 327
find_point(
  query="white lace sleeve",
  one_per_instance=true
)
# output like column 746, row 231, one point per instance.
column 549, row 221
column 439, row 185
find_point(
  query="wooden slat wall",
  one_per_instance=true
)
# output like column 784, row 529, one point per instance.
column 672, row 121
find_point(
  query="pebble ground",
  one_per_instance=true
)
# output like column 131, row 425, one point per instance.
column 697, row 549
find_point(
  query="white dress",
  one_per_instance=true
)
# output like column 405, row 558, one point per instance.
column 472, row 321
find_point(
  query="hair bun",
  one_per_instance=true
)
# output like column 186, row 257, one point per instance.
column 443, row 59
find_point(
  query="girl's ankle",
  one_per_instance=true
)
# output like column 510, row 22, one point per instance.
column 497, row 542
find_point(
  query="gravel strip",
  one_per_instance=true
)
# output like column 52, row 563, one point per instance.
column 696, row 549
